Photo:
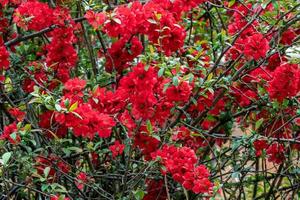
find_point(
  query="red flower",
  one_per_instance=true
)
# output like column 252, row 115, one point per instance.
column 3, row 3
column 168, row 39
column 61, row 54
column 276, row 153
column 52, row 162
column 275, row 61
column 155, row 190
column 117, row 148
column 181, row 164
column 2, row 79
column 288, row 37
column 56, row 197
column 73, row 90
column 95, row 158
column 259, row 146
column 86, row 122
column 4, row 58
column 121, row 53
column 17, row 113
column 107, row 101
column 185, row 135
column 10, row 134
column 33, row 15
column 178, row 93
column 42, row 162
column 95, row 19
column 256, row 46
column 143, row 105
column 125, row 21
column 81, row 180
column 285, row 82
column 127, row 121
column 147, row 144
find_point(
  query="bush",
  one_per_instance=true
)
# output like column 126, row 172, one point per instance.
column 183, row 99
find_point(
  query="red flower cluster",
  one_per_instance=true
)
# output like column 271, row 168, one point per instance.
column 10, row 134
column 47, row 120
column 4, row 58
column 275, row 61
column 153, row 104
column 86, row 122
column 61, row 54
column 285, row 82
column 250, row 42
column 122, row 52
column 95, row 19
column 259, row 146
column 59, row 197
column 73, row 89
column 165, row 33
column 159, row 20
column 185, row 135
column 81, row 180
column 244, row 96
column 155, row 190
column 17, row 113
column 81, row 117
column 7, row 2
column 53, row 162
column 288, row 37
column 4, row 24
column 33, row 15
column 181, row 164
column 107, row 101
column 178, row 93
column 147, row 144
column 274, row 151
column 117, row 148
column 256, row 46
column 134, row 85
column 3, row 3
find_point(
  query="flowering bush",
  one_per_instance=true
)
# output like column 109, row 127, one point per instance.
column 158, row 99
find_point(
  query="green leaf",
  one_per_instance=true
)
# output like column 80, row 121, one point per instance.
column 194, row 101
column 275, row 104
column 5, row 157
column 166, row 87
column 77, row 115
column 258, row 123
column 149, row 127
column 152, row 21
column 117, row 20
column 58, row 107
column 27, row 127
column 8, row 85
column 175, row 80
column 211, row 90
column 231, row 3
column 161, row 72
column 210, row 76
column 44, row 187
column 67, row 103
column 76, row 149
column 139, row 194
column 73, row 106
column 46, row 171
column 13, row 136
column 49, row 107
column 156, row 137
